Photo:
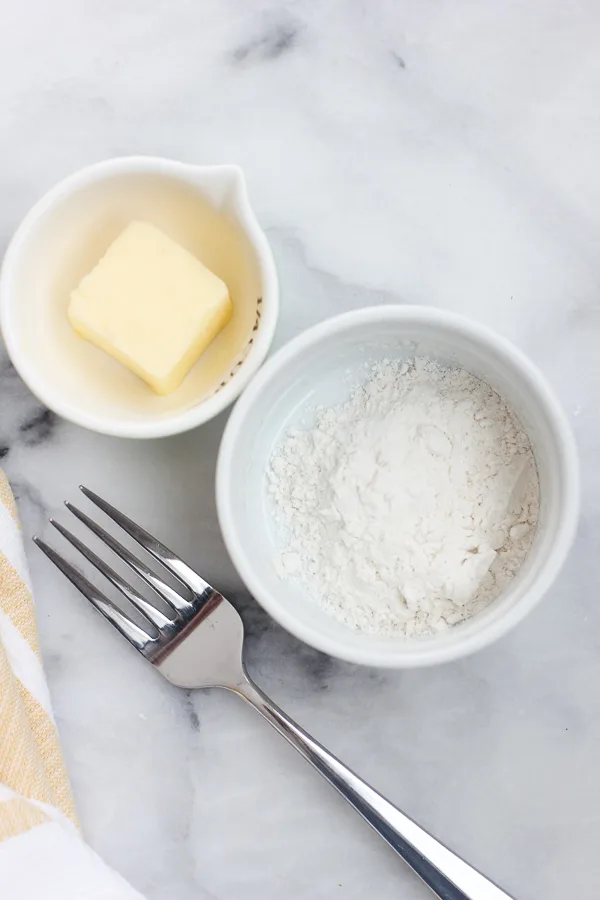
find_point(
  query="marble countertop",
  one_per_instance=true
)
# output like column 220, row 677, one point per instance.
column 399, row 151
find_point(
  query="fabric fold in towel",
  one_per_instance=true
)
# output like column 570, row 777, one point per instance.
column 42, row 854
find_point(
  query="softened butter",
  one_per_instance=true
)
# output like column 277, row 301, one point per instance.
column 151, row 305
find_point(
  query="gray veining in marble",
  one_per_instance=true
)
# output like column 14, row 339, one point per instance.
column 399, row 151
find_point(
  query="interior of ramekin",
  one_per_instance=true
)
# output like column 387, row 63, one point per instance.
column 295, row 378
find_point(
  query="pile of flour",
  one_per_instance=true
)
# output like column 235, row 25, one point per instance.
column 406, row 509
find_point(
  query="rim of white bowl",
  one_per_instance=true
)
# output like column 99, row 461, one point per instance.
column 428, row 652
column 204, row 410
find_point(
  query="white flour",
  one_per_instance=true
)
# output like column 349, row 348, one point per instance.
column 408, row 508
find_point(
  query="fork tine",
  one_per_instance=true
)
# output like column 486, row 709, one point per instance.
column 168, row 594
column 140, row 639
column 151, row 613
column 156, row 548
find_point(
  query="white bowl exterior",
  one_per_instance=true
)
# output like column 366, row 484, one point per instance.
column 222, row 186
column 303, row 367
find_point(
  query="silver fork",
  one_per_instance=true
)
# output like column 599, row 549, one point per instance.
column 199, row 645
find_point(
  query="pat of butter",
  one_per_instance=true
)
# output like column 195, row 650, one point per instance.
column 152, row 305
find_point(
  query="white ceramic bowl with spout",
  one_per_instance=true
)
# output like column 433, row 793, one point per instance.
column 205, row 208
column 313, row 369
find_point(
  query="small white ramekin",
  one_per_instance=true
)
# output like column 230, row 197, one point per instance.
column 61, row 239
column 306, row 371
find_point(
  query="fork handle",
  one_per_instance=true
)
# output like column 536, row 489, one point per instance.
column 448, row 876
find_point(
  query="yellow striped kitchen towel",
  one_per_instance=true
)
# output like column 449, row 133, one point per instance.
column 42, row 855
